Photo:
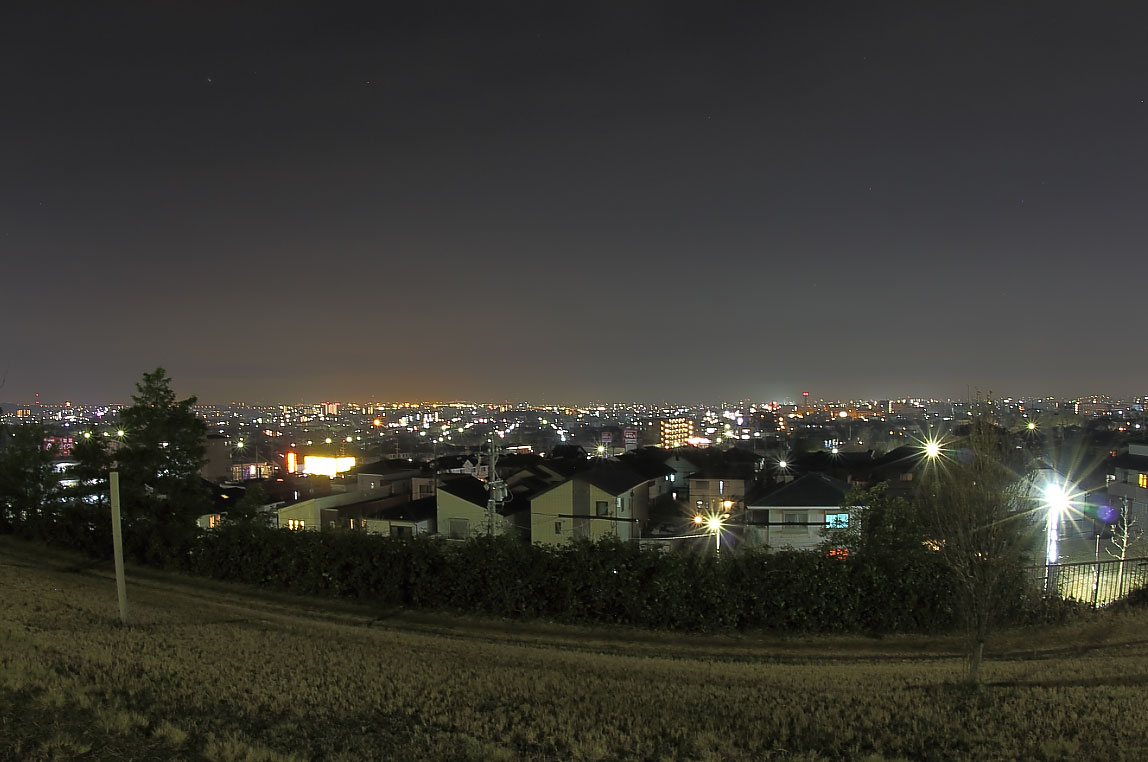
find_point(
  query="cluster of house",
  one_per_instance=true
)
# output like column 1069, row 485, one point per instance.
column 649, row 495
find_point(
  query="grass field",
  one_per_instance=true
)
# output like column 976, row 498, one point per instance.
column 206, row 671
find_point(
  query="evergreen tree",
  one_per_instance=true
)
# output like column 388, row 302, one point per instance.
column 93, row 461
column 164, row 449
column 247, row 509
column 29, row 485
column 880, row 525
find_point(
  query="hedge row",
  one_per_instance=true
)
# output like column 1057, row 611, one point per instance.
column 605, row 582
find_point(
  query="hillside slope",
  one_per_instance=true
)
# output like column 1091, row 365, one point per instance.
column 213, row 672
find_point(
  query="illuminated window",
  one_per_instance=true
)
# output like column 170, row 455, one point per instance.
column 1142, row 480
column 836, row 520
column 294, row 524
column 213, row 520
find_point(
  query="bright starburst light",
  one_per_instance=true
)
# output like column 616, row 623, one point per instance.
column 1056, row 497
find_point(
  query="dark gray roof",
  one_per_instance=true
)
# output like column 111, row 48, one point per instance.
column 416, row 510
column 811, row 490
column 650, row 466
column 383, row 467
column 465, row 487
column 474, row 491
column 607, row 475
column 612, row 477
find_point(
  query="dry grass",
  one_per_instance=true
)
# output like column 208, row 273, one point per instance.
column 210, row 672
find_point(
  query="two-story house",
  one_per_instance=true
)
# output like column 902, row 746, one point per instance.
column 796, row 514
column 1129, row 485
column 608, row 499
column 715, row 493
column 463, row 512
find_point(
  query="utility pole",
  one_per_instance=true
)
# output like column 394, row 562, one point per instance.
column 495, row 487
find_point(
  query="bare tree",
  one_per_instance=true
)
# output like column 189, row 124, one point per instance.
column 1126, row 532
column 978, row 499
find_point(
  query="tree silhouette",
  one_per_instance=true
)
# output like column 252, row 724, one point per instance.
column 163, row 450
column 29, row 485
column 978, row 501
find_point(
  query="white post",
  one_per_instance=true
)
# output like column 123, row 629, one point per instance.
column 118, row 546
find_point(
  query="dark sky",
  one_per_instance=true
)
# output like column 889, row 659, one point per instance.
column 569, row 202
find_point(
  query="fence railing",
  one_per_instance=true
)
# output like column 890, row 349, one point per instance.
column 1097, row 583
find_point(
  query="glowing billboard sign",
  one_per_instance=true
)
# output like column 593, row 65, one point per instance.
column 321, row 465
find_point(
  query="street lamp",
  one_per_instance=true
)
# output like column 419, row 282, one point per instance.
column 1058, row 495
column 1057, row 501
column 714, row 524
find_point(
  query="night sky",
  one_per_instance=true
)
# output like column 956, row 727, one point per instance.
column 573, row 202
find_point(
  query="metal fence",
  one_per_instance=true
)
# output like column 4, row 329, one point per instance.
column 1097, row 583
